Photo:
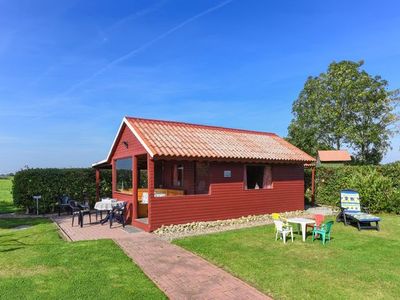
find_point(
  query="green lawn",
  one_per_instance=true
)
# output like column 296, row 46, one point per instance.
column 36, row 263
column 6, row 203
column 358, row 265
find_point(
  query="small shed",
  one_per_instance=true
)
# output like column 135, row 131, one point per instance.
column 173, row 172
column 333, row 157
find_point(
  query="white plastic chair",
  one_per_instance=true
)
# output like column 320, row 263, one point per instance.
column 282, row 231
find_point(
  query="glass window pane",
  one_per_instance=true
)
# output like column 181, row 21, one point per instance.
column 143, row 179
column 255, row 177
column 258, row 177
column 123, row 168
column 178, row 175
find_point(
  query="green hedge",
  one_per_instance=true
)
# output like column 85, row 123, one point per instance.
column 392, row 171
column 379, row 186
column 79, row 184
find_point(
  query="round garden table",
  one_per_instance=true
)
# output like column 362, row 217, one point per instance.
column 106, row 205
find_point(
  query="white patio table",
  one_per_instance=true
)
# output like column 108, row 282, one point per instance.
column 106, row 204
column 302, row 222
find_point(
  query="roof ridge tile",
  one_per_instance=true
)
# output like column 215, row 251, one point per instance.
column 239, row 130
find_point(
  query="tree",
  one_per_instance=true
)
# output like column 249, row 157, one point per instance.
column 345, row 107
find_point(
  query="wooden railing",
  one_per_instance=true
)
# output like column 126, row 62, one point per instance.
column 142, row 207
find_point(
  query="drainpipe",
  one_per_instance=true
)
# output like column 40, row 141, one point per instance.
column 313, row 186
column 97, row 185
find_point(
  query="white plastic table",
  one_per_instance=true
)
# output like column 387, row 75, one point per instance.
column 106, row 205
column 303, row 223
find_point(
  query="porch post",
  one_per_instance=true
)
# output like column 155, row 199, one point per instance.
column 97, row 185
column 135, row 187
column 150, row 184
column 313, row 185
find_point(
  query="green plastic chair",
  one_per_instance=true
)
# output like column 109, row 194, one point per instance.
column 324, row 232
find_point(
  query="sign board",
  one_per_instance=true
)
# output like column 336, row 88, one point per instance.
column 227, row 173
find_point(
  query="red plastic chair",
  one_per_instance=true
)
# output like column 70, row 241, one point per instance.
column 319, row 219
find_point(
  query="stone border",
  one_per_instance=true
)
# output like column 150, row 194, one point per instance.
column 22, row 216
column 179, row 231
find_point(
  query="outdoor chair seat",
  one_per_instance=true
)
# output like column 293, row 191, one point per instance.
column 63, row 204
column 119, row 214
column 79, row 210
column 351, row 211
column 363, row 217
column 278, row 217
column 282, row 231
column 323, row 232
column 319, row 219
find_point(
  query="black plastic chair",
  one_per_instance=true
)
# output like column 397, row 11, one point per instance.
column 118, row 214
column 79, row 210
column 63, row 204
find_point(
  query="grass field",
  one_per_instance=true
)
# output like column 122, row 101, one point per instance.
column 354, row 265
column 35, row 263
column 6, row 204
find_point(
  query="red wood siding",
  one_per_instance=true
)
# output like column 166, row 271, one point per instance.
column 121, row 151
column 134, row 146
column 217, row 172
column 229, row 199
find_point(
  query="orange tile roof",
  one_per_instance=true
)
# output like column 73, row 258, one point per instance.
column 177, row 139
column 334, row 155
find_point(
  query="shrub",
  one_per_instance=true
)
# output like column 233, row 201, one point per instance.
column 392, row 171
column 79, row 184
column 378, row 185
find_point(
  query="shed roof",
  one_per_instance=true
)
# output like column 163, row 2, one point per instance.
column 185, row 140
column 333, row 155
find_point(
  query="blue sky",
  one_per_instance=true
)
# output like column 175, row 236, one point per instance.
column 70, row 70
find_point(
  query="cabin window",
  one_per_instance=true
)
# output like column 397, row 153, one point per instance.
column 158, row 174
column 178, row 175
column 123, row 169
column 202, row 181
column 258, row 177
column 142, row 179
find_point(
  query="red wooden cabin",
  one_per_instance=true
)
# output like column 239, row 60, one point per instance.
column 173, row 172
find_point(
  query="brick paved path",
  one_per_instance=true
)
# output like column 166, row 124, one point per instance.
column 177, row 272
column 89, row 231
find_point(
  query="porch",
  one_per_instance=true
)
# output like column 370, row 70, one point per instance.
column 91, row 231
column 139, row 179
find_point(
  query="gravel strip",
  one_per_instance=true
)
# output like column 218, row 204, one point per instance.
column 173, row 232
